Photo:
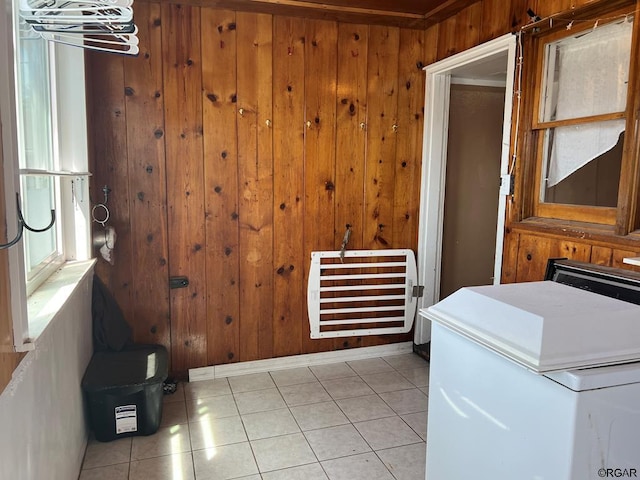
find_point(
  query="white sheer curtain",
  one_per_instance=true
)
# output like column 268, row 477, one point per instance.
column 589, row 75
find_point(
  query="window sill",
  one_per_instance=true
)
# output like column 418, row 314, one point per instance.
column 51, row 296
column 592, row 233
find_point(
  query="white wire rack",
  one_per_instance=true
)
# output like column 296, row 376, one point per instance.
column 368, row 292
column 103, row 25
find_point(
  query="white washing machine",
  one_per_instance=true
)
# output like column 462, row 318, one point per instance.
column 533, row 381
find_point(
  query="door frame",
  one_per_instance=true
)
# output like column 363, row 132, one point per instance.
column 434, row 159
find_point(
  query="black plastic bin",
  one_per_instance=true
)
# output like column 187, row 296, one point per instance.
column 124, row 391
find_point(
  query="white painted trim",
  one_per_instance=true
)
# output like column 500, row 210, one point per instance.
column 434, row 152
column 510, row 42
column 296, row 361
column 478, row 82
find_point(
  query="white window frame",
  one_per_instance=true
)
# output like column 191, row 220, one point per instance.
column 69, row 129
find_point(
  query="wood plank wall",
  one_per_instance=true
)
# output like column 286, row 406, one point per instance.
column 234, row 145
column 241, row 311
column 237, row 143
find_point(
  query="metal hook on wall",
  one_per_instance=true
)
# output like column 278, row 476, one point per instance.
column 22, row 224
column 102, row 207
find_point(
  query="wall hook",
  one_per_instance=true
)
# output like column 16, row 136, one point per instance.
column 394, row 127
column 362, row 125
column 308, row 123
column 241, row 111
column 22, row 224
column 106, row 190
column 268, row 122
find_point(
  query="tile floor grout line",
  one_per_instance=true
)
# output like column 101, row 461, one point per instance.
column 407, row 366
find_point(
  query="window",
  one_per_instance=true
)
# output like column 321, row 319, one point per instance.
column 36, row 155
column 44, row 142
column 580, row 110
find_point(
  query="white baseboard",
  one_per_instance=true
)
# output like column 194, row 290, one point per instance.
column 306, row 360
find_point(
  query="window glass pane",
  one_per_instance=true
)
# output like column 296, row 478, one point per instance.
column 38, row 195
column 587, row 74
column 34, row 104
column 593, row 183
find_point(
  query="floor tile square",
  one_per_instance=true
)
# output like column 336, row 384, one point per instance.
column 407, row 462
column 418, row 376
column 212, row 407
column 370, row 365
column 112, row 472
column 387, row 433
column 251, row 382
column 281, row 452
column 169, row 467
column 166, row 441
column 333, row 370
column 406, row 361
column 173, row 414
column 227, row 461
column 366, row 466
column 369, row 407
column 406, row 401
column 387, row 382
column 259, row 401
column 269, row 424
column 312, row 471
column 418, row 422
column 304, row 394
column 213, row 432
column 318, row 415
column 334, row 442
column 101, row 454
column 206, row 388
column 293, row 376
column 347, row 387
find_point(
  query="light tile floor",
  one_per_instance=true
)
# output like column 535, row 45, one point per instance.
column 365, row 419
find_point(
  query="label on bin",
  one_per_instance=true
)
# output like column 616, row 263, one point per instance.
column 126, row 419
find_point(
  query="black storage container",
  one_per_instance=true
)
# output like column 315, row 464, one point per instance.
column 124, row 391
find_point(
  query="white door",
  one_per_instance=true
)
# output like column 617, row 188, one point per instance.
column 492, row 63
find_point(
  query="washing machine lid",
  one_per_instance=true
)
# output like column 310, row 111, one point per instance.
column 545, row 326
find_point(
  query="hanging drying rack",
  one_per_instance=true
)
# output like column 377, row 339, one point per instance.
column 102, row 25
column 22, row 224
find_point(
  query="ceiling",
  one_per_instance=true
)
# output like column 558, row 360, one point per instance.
column 401, row 13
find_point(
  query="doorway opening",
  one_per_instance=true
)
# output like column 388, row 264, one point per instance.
column 465, row 181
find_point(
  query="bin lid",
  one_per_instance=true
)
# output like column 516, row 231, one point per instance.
column 545, row 326
column 139, row 365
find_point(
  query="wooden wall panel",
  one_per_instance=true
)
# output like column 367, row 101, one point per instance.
column 353, row 41
column 147, row 183
column 321, row 45
column 601, row 255
column 255, row 170
column 461, row 32
column 220, row 183
column 382, row 127
column 533, row 253
column 382, row 124
column 288, row 185
column 109, row 166
column 510, row 257
column 408, row 157
column 185, row 186
column 572, row 250
column 494, row 18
